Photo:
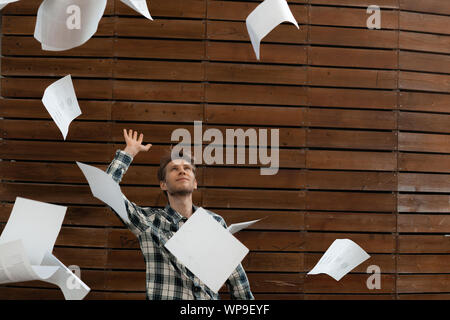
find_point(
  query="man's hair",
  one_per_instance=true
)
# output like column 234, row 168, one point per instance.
column 167, row 158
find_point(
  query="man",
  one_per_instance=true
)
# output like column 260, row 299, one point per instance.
column 166, row 277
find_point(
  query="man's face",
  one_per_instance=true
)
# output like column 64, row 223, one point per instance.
column 180, row 178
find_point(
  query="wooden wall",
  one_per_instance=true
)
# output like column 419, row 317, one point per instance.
column 364, row 123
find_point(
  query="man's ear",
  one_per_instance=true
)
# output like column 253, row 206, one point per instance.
column 163, row 185
column 195, row 184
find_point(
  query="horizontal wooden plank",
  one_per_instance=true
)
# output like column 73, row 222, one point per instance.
column 276, row 282
column 64, row 194
column 257, row 199
column 57, row 67
column 254, row 115
column 256, row 94
column 77, row 215
column 83, row 237
column 349, row 17
column 369, row 242
column 34, row 108
column 357, row 58
column 364, row 119
column 271, row 220
column 350, row 160
column 252, row 178
column 272, row 241
column 348, row 180
column 338, row 77
column 34, row 88
column 423, row 203
column 432, row 6
column 161, row 8
column 423, row 283
column 423, row 223
column 346, row 139
column 160, row 28
column 158, row 91
column 256, row 73
column 423, row 244
column 424, row 42
column 238, row 11
column 32, row 6
column 386, row 263
column 340, row 36
column 156, row 112
column 414, row 121
column 243, row 52
column 359, row 222
column 423, row 162
column 28, row 46
column 24, row 25
column 392, row 4
column 159, row 48
column 352, row 98
column 424, row 81
column 351, row 283
column 81, row 257
column 418, row 61
column 430, row 23
column 159, row 70
column 420, row 101
column 423, row 263
column 237, row 31
column 419, row 182
column 423, row 142
column 56, row 151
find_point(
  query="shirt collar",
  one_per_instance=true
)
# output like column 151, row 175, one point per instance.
column 175, row 216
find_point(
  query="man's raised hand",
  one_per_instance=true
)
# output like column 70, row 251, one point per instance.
column 134, row 145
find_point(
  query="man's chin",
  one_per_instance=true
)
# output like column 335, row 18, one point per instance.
column 180, row 192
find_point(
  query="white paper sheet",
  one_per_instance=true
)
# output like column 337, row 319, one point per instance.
column 266, row 16
column 71, row 286
column 37, row 224
column 236, row 227
column 61, row 103
column 61, row 26
column 104, row 188
column 207, row 249
column 341, row 257
column 15, row 265
column 139, row 6
column 4, row 3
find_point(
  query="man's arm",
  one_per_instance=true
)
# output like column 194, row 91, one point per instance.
column 118, row 168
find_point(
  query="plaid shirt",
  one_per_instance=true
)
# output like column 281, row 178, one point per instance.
column 166, row 277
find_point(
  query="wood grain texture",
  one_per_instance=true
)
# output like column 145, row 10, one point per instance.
column 363, row 123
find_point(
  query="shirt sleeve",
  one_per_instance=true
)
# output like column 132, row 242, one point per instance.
column 117, row 168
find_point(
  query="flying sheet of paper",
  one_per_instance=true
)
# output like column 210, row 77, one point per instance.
column 37, row 224
column 207, row 249
column 266, row 16
column 71, row 286
column 139, row 6
column 341, row 257
column 66, row 24
column 104, row 188
column 236, row 227
column 4, row 3
column 15, row 267
column 61, row 103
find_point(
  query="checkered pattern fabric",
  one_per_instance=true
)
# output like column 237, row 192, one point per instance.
column 166, row 277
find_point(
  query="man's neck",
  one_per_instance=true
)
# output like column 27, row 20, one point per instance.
column 182, row 204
